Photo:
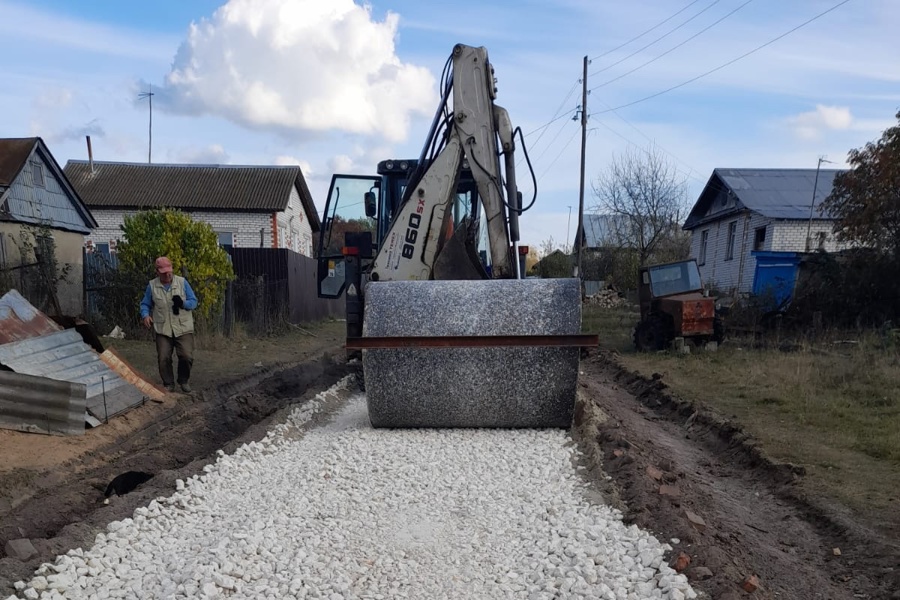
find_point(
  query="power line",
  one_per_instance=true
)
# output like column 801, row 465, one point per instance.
column 672, row 49
column 561, row 104
column 637, row 37
column 551, row 121
column 660, row 38
column 547, row 170
column 730, row 62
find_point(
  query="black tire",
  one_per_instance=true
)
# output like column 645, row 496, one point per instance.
column 718, row 330
column 650, row 335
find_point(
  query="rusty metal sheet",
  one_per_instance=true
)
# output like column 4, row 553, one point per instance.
column 41, row 405
column 19, row 320
column 126, row 372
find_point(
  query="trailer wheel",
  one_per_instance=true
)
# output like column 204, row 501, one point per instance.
column 650, row 335
column 718, row 330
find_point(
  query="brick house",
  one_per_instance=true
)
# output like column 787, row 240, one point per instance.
column 743, row 213
column 43, row 222
column 247, row 206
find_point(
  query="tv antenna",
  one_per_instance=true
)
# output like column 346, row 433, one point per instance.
column 149, row 96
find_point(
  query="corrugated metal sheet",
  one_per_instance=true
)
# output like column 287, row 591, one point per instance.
column 780, row 193
column 13, row 154
column 54, row 203
column 64, row 356
column 260, row 188
column 41, row 405
column 19, row 320
column 133, row 185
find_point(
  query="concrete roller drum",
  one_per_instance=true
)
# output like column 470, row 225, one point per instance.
column 472, row 386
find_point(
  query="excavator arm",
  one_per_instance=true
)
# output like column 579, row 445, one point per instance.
column 476, row 127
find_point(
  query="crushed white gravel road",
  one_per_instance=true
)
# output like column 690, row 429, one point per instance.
column 345, row 511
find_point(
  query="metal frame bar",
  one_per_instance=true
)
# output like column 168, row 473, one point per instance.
column 472, row 341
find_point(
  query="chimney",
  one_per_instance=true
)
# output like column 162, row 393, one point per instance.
column 90, row 153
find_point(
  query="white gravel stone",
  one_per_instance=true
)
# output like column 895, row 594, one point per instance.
column 345, row 512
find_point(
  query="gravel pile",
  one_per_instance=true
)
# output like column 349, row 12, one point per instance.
column 344, row 511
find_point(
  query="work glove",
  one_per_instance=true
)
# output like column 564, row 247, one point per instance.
column 177, row 304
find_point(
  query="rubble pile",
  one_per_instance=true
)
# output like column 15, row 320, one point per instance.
column 606, row 298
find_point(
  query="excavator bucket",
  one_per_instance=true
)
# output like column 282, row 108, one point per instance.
column 491, row 353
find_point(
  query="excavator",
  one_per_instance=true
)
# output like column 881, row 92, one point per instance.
column 426, row 254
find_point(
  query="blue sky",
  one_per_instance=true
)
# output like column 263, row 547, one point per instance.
column 336, row 86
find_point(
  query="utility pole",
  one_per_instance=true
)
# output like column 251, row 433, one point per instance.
column 812, row 203
column 149, row 96
column 568, row 226
column 579, row 235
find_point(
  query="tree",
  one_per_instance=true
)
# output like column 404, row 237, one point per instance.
column 192, row 246
column 866, row 199
column 647, row 199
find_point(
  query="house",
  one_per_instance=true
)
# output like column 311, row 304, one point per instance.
column 746, row 214
column 248, row 206
column 43, row 222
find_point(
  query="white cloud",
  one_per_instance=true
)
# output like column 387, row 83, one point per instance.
column 811, row 125
column 214, row 154
column 287, row 161
column 299, row 66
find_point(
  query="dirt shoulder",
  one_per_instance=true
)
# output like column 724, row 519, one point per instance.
column 51, row 488
column 687, row 474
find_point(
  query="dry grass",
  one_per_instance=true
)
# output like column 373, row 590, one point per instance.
column 833, row 408
column 217, row 358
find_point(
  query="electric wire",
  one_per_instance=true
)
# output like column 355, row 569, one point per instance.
column 639, row 36
column 730, row 62
column 673, row 48
column 660, row 38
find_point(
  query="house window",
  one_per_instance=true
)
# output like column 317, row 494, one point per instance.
column 226, row 239
column 704, row 242
column 760, row 239
column 37, row 174
column 821, row 237
column 732, row 234
column 102, row 249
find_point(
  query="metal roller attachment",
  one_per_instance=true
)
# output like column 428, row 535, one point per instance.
column 492, row 353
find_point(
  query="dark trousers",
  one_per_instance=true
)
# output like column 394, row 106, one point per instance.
column 184, row 349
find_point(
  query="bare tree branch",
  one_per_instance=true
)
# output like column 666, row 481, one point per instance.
column 647, row 199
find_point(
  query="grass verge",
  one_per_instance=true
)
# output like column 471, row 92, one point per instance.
column 832, row 407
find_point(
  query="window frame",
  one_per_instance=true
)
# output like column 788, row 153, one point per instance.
column 36, row 168
column 732, row 238
column 704, row 247
column 758, row 243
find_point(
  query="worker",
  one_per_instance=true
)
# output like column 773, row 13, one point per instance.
column 167, row 305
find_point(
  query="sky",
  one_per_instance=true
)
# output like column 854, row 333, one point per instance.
column 336, row 86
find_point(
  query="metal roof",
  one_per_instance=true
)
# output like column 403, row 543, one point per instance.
column 13, row 154
column 55, row 203
column 600, row 230
column 65, row 357
column 773, row 193
column 245, row 188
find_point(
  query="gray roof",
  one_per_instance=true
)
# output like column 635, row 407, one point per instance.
column 773, row 193
column 60, row 208
column 599, row 230
column 245, row 188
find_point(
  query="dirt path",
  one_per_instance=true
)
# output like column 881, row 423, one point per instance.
column 663, row 457
column 54, row 498
column 667, row 459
